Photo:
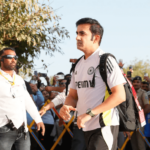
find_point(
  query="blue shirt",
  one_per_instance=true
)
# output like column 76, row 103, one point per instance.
column 39, row 101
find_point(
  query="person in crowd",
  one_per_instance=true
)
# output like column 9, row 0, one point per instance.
column 58, row 101
column 62, row 83
column 40, row 85
column 14, row 101
column 89, row 101
column 147, row 126
column 145, row 86
column 39, row 102
column 48, row 119
column 137, row 141
column 147, row 79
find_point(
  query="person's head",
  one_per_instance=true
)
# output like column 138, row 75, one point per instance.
column 62, row 83
column 45, row 95
column 60, row 73
column 68, row 76
column 34, row 88
column 89, row 34
column 129, row 78
column 145, row 86
column 137, row 82
column 8, row 58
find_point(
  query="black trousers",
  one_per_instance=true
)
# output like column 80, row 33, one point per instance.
column 94, row 139
column 47, row 140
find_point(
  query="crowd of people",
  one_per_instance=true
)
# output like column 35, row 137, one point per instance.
column 83, row 94
column 56, row 93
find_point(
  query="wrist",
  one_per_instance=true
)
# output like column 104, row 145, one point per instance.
column 45, row 109
column 90, row 112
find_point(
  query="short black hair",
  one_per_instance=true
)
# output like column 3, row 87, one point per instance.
column 7, row 48
column 95, row 28
column 67, row 75
column 144, row 82
column 59, row 73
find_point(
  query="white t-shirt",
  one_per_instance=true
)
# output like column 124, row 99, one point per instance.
column 89, row 97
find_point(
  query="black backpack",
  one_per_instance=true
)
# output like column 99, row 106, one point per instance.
column 128, row 111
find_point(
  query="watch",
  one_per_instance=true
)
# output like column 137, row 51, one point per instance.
column 89, row 112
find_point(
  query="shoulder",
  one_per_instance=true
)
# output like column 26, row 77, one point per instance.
column 19, row 78
column 142, row 91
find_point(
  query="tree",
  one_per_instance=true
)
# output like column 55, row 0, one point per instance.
column 30, row 27
column 28, row 74
column 139, row 67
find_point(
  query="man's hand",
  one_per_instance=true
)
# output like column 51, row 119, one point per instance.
column 65, row 112
column 38, row 78
column 82, row 119
column 40, row 125
column 42, row 112
column 127, row 134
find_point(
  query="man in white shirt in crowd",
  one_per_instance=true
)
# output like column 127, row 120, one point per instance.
column 14, row 101
column 97, row 113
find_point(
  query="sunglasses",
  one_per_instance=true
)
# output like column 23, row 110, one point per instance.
column 10, row 57
column 61, row 83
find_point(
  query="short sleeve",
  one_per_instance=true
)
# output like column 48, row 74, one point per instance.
column 114, row 74
column 72, row 83
column 145, row 98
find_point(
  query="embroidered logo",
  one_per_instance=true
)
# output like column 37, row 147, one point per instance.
column 76, row 73
column 90, row 70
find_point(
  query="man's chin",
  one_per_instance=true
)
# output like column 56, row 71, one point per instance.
column 80, row 48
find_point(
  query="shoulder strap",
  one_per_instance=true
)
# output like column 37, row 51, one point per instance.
column 74, row 65
column 72, row 70
column 103, row 68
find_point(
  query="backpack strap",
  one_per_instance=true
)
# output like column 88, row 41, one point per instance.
column 103, row 68
column 67, row 84
column 71, row 70
column 74, row 65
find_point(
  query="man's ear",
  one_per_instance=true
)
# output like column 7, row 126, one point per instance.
column 97, row 39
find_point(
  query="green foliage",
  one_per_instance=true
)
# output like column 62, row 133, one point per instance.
column 30, row 27
column 139, row 67
column 25, row 73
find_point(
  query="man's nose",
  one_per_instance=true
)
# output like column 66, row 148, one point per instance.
column 78, row 37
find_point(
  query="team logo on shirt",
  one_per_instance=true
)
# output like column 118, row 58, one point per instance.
column 90, row 70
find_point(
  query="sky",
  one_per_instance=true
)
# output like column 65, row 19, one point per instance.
column 126, row 26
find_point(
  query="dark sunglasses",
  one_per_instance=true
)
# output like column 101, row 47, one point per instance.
column 61, row 83
column 10, row 57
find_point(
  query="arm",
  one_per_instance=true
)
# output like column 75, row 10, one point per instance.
column 50, row 88
column 59, row 99
column 72, row 98
column 40, row 99
column 69, row 105
column 146, row 109
column 146, row 103
column 32, row 110
column 47, row 80
column 117, row 97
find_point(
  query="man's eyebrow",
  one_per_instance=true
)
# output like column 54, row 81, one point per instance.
column 82, row 32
